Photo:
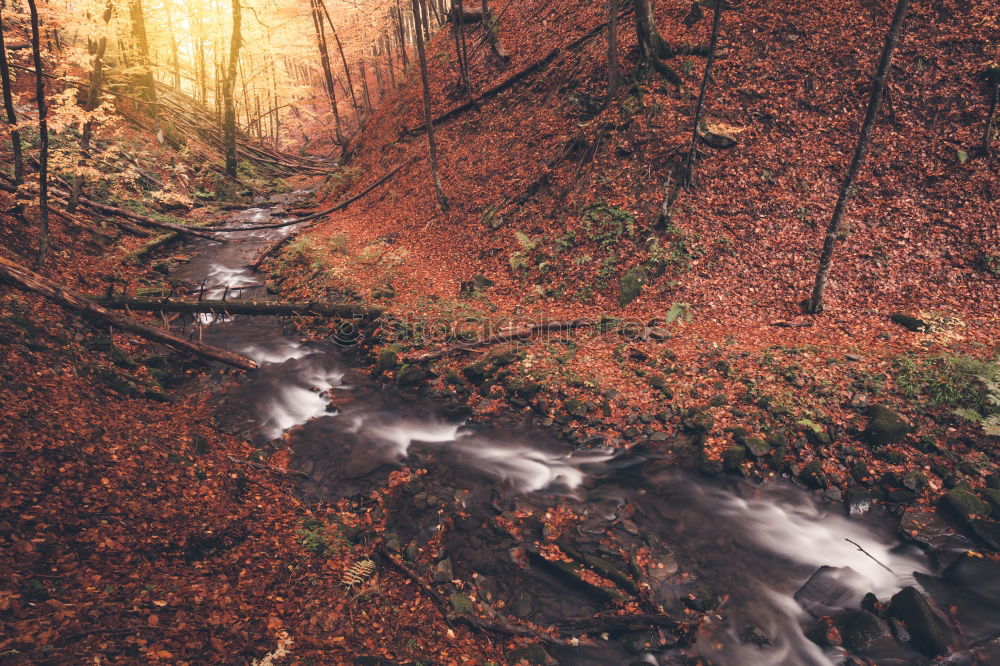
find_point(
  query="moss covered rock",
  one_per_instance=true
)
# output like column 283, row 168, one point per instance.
column 884, row 427
column 927, row 632
column 964, row 504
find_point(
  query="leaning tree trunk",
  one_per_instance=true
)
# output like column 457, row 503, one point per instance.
column 228, row 85
column 693, row 152
column 814, row 304
column 93, row 96
column 43, row 135
column 428, row 120
column 8, row 105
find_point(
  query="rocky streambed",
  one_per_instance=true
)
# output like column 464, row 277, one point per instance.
column 511, row 523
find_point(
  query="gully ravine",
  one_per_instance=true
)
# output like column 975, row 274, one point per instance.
column 762, row 562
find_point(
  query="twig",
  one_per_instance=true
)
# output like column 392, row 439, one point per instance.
column 870, row 555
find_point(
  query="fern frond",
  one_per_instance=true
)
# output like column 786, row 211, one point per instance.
column 358, row 572
column 968, row 414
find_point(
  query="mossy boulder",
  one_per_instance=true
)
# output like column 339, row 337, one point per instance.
column 699, row 422
column 387, row 361
column 859, row 629
column 992, row 497
column 576, row 407
column 927, row 633
column 462, row 604
column 475, row 372
column 884, row 427
column 964, row 504
column 814, row 475
column 733, row 457
column 631, row 284
column 756, row 447
column 409, row 375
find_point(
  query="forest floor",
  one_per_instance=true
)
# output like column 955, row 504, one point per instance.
column 554, row 207
column 133, row 530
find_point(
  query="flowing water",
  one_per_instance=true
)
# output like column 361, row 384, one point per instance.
column 758, row 544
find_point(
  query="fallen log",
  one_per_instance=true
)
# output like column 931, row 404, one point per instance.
column 136, row 217
column 142, row 220
column 493, row 625
column 514, row 78
column 28, row 280
column 610, row 622
column 239, row 307
column 313, row 216
column 504, row 336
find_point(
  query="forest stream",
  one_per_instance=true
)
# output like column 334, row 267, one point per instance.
column 762, row 560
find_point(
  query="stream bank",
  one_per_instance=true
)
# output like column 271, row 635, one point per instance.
column 506, row 518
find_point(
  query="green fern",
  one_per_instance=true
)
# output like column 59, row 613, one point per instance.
column 679, row 311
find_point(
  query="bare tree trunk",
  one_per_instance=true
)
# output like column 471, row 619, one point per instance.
column 651, row 44
column 43, row 135
column 391, row 66
column 424, row 21
column 992, row 76
column 8, row 105
column 614, row 76
column 93, row 96
column 814, row 304
column 402, row 36
column 457, row 26
column 693, row 152
column 364, row 84
column 142, row 43
column 340, row 48
column 324, row 57
column 431, row 145
column 174, row 55
column 228, row 84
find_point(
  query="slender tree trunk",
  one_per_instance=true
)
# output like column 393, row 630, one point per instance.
column 389, row 59
column 993, row 80
column 43, row 135
column 93, row 97
column 456, row 26
column 614, row 75
column 693, row 152
column 364, row 84
column 402, row 36
column 324, row 56
column 8, row 105
column 428, row 120
column 148, row 83
column 814, row 304
column 175, row 57
column 228, row 84
column 424, row 21
column 343, row 59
